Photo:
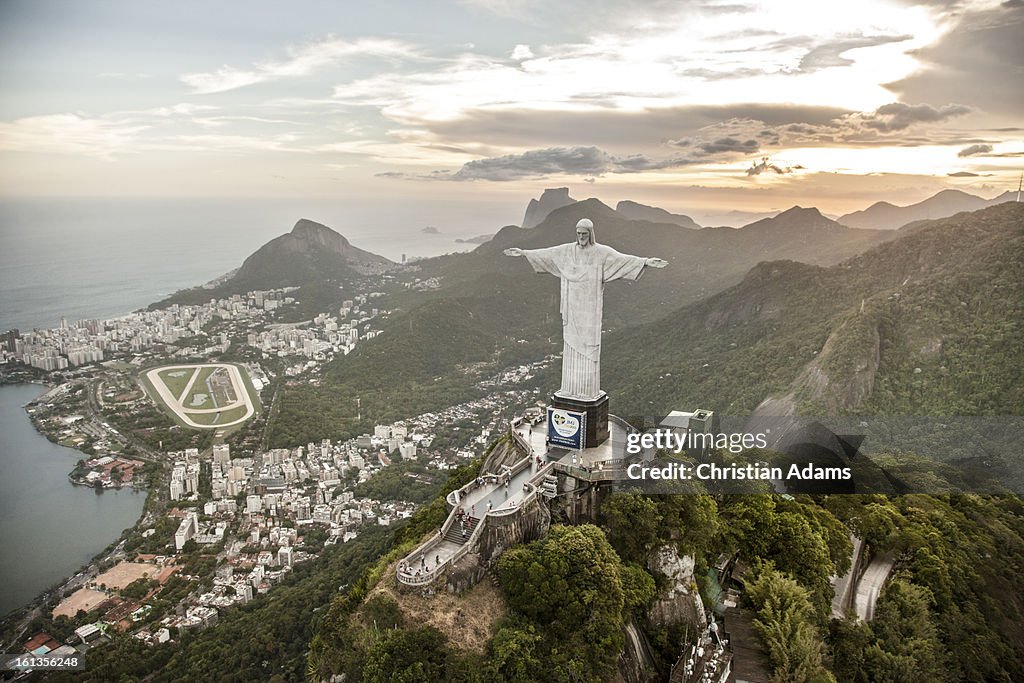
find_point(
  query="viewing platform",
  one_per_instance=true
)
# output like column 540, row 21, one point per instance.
column 494, row 497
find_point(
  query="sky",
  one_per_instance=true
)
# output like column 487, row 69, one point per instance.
column 691, row 106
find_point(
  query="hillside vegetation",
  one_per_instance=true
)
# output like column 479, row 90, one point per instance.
column 492, row 311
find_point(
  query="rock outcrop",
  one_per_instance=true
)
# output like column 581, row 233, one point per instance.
column 641, row 212
column 679, row 602
column 551, row 199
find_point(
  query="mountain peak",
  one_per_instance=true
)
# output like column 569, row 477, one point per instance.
column 797, row 210
column 308, row 230
column 551, row 199
column 591, row 208
column 794, row 218
column 311, row 251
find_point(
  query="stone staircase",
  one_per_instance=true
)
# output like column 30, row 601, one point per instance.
column 454, row 533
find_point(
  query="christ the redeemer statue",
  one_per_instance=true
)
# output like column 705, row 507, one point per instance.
column 583, row 267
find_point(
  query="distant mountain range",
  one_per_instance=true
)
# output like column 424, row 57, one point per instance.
column 886, row 216
column 926, row 324
column 878, row 216
column 701, row 261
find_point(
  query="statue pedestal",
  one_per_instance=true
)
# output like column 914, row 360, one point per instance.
column 597, row 416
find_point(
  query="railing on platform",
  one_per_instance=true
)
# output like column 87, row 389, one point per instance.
column 589, row 474
column 523, row 444
column 409, row 577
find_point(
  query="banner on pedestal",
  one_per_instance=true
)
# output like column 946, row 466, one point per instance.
column 566, row 428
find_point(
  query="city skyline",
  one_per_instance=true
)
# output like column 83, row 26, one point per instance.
column 699, row 106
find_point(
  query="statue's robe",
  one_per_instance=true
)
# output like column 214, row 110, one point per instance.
column 583, row 272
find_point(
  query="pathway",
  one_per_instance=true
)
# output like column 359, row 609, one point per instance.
column 870, row 586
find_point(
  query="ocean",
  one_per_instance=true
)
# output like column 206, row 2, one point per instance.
column 100, row 258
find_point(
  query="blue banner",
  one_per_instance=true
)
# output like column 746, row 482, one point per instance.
column 566, row 428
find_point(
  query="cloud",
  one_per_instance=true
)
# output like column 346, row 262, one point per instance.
column 521, row 52
column 647, row 55
column 886, row 126
column 830, row 54
column 978, row 61
column 898, row 116
column 626, row 130
column 283, row 142
column 69, row 134
column 583, row 161
column 725, row 145
column 301, row 61
column 542, row 162
column 974, row 149
column 766, row 166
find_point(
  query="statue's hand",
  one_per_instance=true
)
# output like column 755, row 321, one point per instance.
column 513, row 251
column 656, row 263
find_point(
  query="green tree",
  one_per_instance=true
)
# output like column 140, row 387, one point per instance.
column 633, row 522
column 785, row 625
column 513, row 654
column 402, row 656
column 569, row 586
column 906, row 646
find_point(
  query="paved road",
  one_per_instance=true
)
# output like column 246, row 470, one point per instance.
column 844, row 584
column 870, row 586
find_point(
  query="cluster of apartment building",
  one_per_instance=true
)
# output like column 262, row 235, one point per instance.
column 90, row 341
column 323, row 338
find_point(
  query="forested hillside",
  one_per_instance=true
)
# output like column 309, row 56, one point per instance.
column 491, row 311
column 952, row 610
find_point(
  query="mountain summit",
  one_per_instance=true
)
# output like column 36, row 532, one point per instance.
column 795, row 218
column 310, row 251
column 538, row 210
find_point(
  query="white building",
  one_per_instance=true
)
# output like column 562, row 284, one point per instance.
column 186, row 530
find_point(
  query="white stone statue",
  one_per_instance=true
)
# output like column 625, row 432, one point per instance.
column 583, row 267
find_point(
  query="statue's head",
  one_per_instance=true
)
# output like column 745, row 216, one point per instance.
column 585, row 233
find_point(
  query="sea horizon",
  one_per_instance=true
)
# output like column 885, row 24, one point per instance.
column 88, row 258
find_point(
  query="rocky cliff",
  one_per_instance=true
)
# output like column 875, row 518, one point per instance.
column 551, row 199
